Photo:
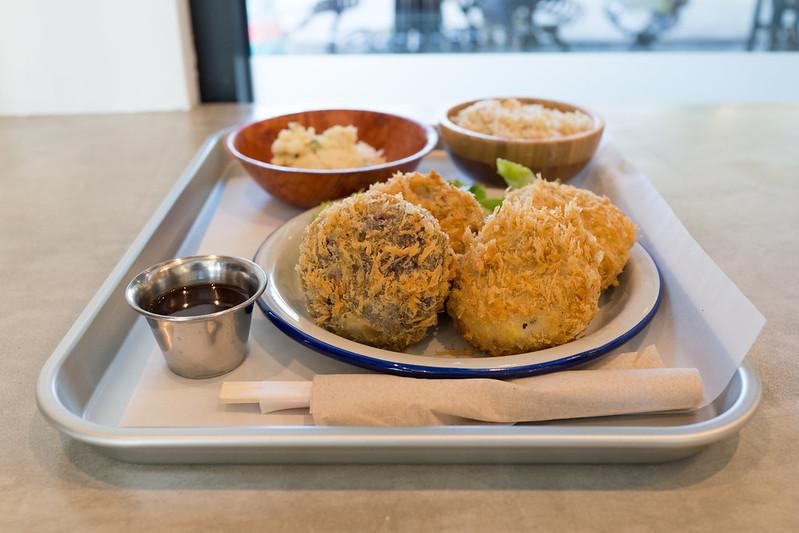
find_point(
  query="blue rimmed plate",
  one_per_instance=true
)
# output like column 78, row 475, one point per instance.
column 624, row 311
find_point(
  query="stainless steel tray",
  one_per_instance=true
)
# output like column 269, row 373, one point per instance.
column 105, row 385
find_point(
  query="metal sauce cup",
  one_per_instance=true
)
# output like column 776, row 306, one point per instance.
column 201, row 346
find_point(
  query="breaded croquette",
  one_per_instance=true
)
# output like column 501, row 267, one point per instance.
column 375, row 269
column 614, row 231
column 529, row 280
column 456, row 210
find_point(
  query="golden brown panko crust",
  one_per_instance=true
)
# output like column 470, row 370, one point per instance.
column 614, row 231
column 375, row 269
column 529, row 280
column 456, row 210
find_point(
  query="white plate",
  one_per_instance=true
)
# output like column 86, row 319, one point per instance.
column 624, row 310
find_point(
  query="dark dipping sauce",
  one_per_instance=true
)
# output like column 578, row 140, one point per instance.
column 195, row 300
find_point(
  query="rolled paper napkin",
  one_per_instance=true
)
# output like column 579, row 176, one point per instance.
column 621, row 384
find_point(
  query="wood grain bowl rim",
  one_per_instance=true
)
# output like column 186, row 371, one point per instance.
column 599, row 123
column 430, row 133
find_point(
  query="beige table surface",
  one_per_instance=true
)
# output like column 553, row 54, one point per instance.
column 75, row 191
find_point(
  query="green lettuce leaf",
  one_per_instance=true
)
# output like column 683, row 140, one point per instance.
column 479, row 193
column 514, row 174
column 319, row 208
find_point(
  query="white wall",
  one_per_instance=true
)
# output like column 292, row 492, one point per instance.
column 95, row 56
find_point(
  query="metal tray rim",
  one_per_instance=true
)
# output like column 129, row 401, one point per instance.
column 690, row 435
column 309, row 437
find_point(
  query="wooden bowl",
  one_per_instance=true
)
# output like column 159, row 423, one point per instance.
column 475, row 154
column 404, row 143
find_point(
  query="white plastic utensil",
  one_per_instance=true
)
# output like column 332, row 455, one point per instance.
column 270, row 395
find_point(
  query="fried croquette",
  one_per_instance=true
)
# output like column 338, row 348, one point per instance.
column 456, row 210
column 529, row 280
column 375, row 269
column 614, row 231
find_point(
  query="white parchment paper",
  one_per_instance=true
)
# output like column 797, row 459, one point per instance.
column 704, row 321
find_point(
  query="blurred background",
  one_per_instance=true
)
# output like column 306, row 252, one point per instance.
column 105, row 56
column 480, row 26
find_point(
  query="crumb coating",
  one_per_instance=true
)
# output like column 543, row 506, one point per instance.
column 456, row 210
column 375, row 269
column 528, row 281
column 614, row 231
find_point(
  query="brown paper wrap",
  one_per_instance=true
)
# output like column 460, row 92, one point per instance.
column 621, row 384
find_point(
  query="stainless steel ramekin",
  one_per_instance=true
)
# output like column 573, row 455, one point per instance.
column 200, row 346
